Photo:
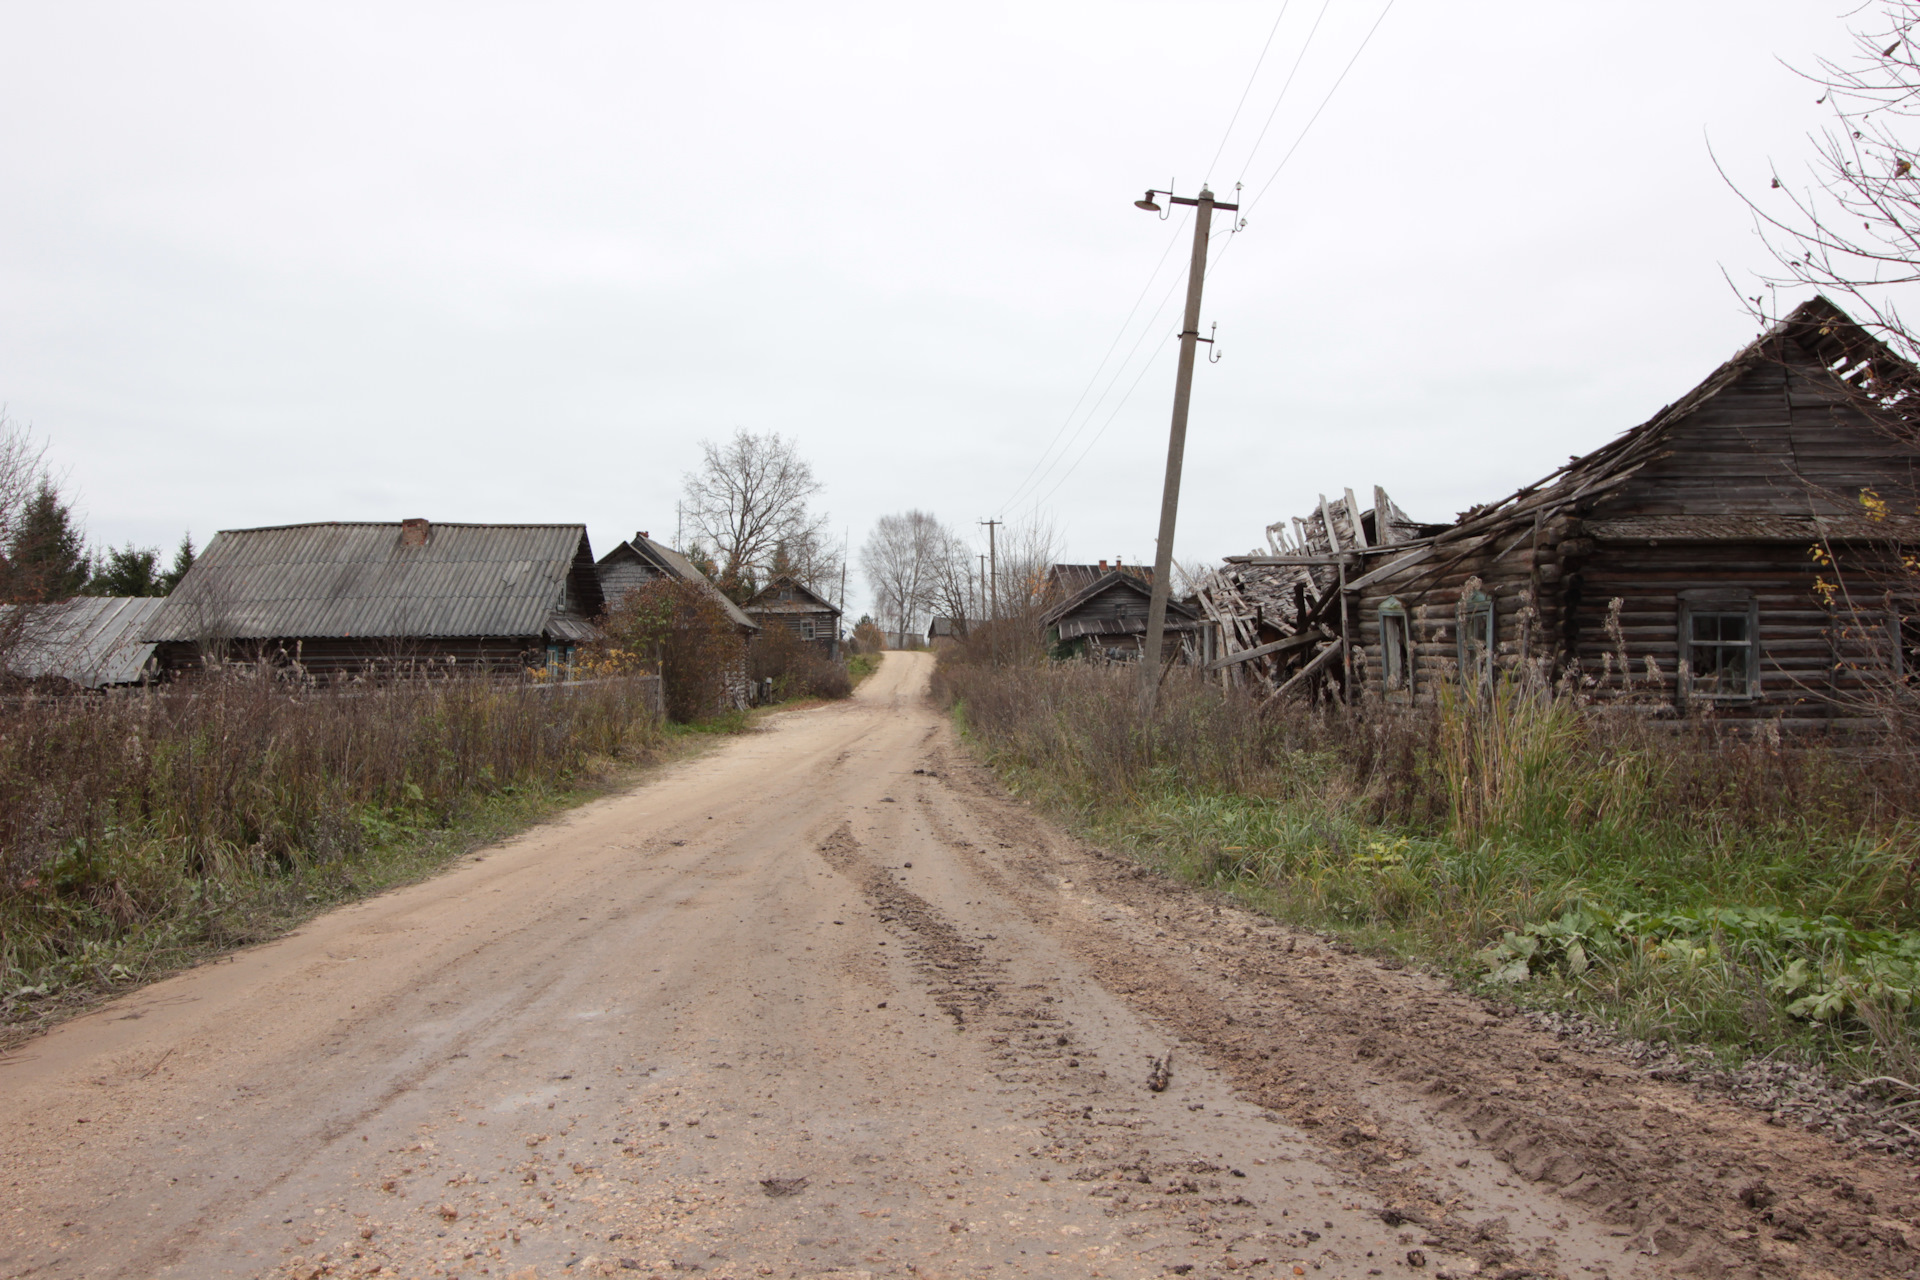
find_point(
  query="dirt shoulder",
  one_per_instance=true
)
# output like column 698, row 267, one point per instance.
column 1420, row 1089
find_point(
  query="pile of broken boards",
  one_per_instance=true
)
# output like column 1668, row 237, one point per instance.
column 1280, row 613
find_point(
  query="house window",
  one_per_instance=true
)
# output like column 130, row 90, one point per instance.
column 1396, row 647
column 806, row 630
column 1476, row 638
column 1719, row 644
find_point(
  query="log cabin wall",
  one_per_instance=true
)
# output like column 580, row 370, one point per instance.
column 1701, row 523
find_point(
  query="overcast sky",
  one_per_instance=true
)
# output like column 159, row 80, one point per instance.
column 263, row 263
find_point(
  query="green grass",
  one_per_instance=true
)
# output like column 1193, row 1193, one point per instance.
column 1522, row 851
column 862, row 665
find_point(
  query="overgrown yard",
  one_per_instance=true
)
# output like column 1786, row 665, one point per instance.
column 1698, row 887
column 140, row 833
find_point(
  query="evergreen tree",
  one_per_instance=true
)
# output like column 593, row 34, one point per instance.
column 182, row 561
column 128, row 571
column 47, row 557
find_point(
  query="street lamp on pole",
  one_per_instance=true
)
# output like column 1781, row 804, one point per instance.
column 1203, row 204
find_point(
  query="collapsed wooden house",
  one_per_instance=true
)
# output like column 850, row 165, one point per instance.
column 338, row 598
column 1681, row 564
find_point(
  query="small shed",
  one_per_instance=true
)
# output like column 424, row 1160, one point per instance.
column 1107, row 617
column 790, row 604
column 338, row 598
column 89, row 642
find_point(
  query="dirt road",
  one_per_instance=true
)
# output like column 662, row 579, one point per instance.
column 827, row 1002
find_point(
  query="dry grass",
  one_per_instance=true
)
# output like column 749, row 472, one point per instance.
column 137, row 831
column 1668, row 879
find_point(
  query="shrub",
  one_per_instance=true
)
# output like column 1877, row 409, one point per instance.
column 681, row 630
column 797, row 667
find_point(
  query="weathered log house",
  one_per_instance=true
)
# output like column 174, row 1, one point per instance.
column 1680, row 563
column 803, row 612
column 1107, row 617
column 342, row 598
column 641, row 560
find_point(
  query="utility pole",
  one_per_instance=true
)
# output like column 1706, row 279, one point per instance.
column 993, row 589
column 980, row 604
column 1190, row 338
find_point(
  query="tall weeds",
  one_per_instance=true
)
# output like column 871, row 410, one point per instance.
column 158, row 818
column 1505, row 821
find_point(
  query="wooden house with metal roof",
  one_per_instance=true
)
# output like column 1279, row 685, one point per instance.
column 788, row 603
column 1682, row 566
column 641, row 560
column 1107, row 618
column 338, row 598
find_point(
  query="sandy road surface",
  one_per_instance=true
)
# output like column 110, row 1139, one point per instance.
column 826, row 1002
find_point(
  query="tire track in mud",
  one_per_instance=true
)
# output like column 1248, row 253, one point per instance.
column 1087, row 1123
column 1384, row 1065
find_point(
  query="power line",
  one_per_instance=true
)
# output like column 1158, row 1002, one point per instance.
column 1227, row 241
column 1249, row 89
column 1323, row 105
column 1118, row 335
column 1282, row 97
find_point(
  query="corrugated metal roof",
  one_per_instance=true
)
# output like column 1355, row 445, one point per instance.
column 94, row 641
column 361, row 581
column 668, row 561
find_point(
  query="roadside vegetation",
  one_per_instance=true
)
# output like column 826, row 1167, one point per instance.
column 1702, row 887
column 141, row 832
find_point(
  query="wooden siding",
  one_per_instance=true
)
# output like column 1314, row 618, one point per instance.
column 1738, row 487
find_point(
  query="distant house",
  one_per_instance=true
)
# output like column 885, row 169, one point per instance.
column 641, row 560
column 1107, row 617
column 945, row 631
column 336, row 598
column 1064, row 580
column 800, row 610
column 90, row 642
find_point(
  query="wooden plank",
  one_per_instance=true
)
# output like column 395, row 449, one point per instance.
column 1353, row 514
column 1391, row 567
column 1278, row 646
column 1320, row 659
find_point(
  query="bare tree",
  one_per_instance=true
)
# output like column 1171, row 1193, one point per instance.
column 747, row 497
column 23, row 478
column 1026, row 550
column 1852, row 228
column 903, row 561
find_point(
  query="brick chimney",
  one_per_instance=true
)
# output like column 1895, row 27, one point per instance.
column 415, row 532
column 1103, row 566
column 644, row 536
